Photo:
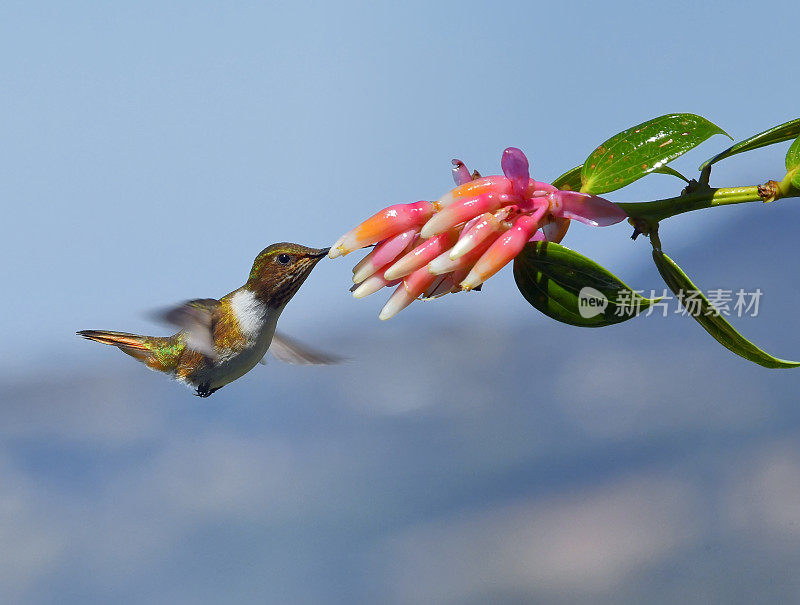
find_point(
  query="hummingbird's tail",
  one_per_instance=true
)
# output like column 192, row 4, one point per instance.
column 158, row 353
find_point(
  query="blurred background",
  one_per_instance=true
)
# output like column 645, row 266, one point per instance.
column 471, row 450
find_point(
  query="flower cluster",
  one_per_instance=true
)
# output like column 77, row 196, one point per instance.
column 428, row 249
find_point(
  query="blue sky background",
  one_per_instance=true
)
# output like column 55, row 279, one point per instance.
column 471, row 450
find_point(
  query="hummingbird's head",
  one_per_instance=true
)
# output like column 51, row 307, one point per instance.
column 279, row 271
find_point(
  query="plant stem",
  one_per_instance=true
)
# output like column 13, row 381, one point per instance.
column 658, row 210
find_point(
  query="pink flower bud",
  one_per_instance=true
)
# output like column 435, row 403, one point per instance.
column 539, row 187
column 473, row 235
column 488, row 184
column 464, row 210
column 385, row 224
column 444, row 264
column 420, row 256
column 383, row 254
column 407, row 292
column 503, row 250
column 371, row 285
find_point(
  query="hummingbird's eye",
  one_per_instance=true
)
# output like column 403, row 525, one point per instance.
column 283, row 258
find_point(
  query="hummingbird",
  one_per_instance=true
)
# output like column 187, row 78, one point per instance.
column 221, row 340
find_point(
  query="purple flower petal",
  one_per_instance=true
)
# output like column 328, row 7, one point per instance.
column 590, row 209
column 461, row 173
column 515, row 167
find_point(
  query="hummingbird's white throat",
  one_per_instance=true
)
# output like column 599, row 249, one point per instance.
column 250, row 312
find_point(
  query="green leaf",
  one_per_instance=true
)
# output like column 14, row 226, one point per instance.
column 640, row 150
column 671, row 172
column 712, row 322
column 573, row 289
column 793, row 162
column 570, row 180
column 778, row 134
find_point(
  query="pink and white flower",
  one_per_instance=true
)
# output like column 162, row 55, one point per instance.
column 457, row 242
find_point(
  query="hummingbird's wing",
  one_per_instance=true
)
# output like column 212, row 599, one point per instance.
column 196, row 318
column 289, row 350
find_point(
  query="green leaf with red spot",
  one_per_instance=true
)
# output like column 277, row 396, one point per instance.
column 777, row 134
column 573, row 289
column 708, row 317
column 570, row 180
column 640, row 150
column 793, row 162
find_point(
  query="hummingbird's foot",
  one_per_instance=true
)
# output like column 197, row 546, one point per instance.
column 204, row 390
